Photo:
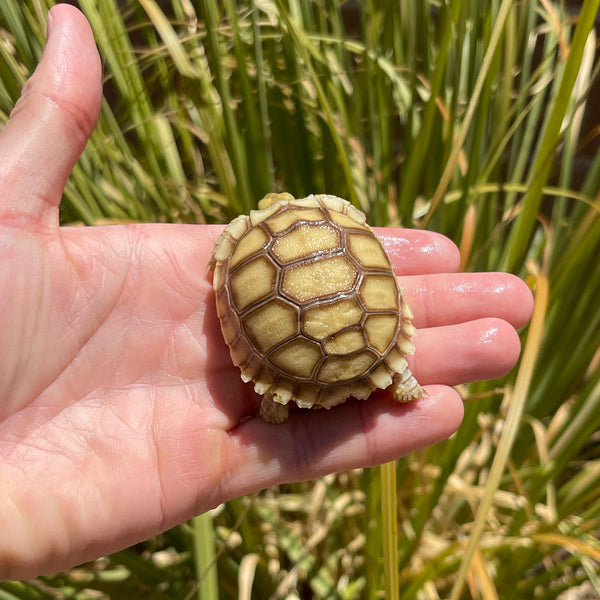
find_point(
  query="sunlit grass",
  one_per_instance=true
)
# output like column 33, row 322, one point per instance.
column 475, row 119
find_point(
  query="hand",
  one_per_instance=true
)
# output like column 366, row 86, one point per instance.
column 120, row 411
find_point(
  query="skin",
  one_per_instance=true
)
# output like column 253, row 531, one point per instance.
column 120, row 412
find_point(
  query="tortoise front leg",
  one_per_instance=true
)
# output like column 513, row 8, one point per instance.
column 271, row 411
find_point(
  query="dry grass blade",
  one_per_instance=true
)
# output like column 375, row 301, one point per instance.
column 479, row 579
column 246, row 575
column 515, row 411
column 570, row 544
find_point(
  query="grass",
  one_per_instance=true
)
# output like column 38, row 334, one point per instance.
column 476, row 119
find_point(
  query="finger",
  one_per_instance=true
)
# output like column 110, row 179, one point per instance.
column 449, row 355
column 445, row 299
column 455, row 354
column 351, row 435
column 412, row 251
column 416, row 251
column 51, row 122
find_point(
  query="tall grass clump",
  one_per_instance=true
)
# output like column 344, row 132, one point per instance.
column 479, row 120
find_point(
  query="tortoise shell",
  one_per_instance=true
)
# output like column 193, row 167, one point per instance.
column 309, row 305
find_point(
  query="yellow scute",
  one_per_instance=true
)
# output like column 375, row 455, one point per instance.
column 324, row 320
column 253, row 242
column 271, row 324
column 252, row 282
column 368, row 251
column 297, row 358
column 319, row 278
column 345, row 342
column 343, row 368
column 305, row 240
column 379, row 292
column 381, row 331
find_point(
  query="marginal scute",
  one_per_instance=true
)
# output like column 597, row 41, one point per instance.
column 381, row 377
column 235, row 230
column 310, row 307
column 358, row 216
column 230, row 328
column 258, row 216
column 339, row 208
column 223, row 248
column 273, row 198
column 407, row 312
column 306, row 396
column 396, row 360
column 334, row 204
column 284, row 393
column 241, row 349
column 405, row 345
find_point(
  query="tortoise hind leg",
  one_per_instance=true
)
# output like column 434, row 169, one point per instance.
column 405, row 387
column 272, row 411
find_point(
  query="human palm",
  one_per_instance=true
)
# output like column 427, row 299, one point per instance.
column 120, row 411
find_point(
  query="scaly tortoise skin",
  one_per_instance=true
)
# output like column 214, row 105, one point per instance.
column 309, row 305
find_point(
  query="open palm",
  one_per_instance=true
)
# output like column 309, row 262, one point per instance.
column 120, row 411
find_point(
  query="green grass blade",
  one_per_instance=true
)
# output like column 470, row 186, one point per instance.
column 389, row 524
column 210, row 11
column 205, row 557
column 308, row 51
column 472, row 107
column 521, row 233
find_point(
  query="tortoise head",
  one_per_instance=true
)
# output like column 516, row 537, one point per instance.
column 272, row 198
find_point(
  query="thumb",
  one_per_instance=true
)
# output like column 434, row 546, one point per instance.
column 51, row 122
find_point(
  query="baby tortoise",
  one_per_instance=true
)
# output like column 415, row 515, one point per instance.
column 309, row 305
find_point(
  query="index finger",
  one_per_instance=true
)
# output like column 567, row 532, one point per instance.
column 418, row 251
column 412, row 251
column 439, row 299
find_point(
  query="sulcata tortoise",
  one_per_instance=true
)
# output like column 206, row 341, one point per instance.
column 309, row 305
